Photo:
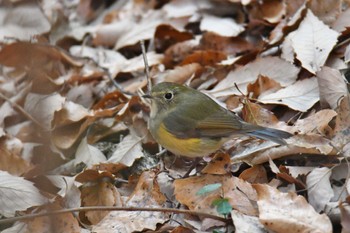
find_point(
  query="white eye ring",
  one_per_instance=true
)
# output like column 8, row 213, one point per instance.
column 168, row 96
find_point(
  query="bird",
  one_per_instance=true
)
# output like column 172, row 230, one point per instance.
column 189, row 123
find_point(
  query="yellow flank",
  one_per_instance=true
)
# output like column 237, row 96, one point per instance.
column 190, row 147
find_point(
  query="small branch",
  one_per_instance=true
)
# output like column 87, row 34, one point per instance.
column 22, row 111
column 143, row 48
column 111, row 208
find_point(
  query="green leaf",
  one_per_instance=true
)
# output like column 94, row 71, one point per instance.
column 222, row 206
column 208, row 188
column 218, row 231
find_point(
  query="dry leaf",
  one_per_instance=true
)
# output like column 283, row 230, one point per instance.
column 288, row 212
column 127, row 151
column 101, row 194
column 22, row 21
column 312, row 42
column 87, row 154
column 43, row 107
column 17, row 194
column 326, row 10
column 221, row 26
column 246, row 224
column 342, row 21
column 11, row 161
column 146, row 194
column 239, row 193
column 319, row 188
column 332, row 86
column 219, row 165
column 300, row 96
column 273, row 67
column 255, row 174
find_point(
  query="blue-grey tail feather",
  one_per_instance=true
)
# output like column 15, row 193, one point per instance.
column 274, row 135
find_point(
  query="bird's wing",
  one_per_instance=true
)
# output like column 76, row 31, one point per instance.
column 206, row 121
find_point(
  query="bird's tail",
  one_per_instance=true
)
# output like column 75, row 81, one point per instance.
column 274, row 135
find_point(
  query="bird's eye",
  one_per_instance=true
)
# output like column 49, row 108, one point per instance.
column 168, row 95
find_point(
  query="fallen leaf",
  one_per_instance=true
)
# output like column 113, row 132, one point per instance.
column 11, row 160
column 288, row 212
column 319, row 188
column 222, row 26
column 327, row 11
column 312, row 42
column 332, row 86
column 22, row 21
column 145, row 194
column 262, row 86
column 219, row 165
column 127, row 151
column 254, row 174
column 300, row 96
column 238, row 192
column 273, row 67
column 342, row 22
column 246, row 224
column 87, row 154
column 166, row 35
column 101, row 194
column 17, row 194
column 43, row 107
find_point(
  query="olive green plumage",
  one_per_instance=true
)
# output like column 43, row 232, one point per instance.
column 186, row 113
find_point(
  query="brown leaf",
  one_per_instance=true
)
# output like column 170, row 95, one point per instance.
column 219, row 165
column 10, row 159
column 166, row 35
column 255, row 174
column 101, row 194
column 262, row 85
column 286, row 212
column 204, row 58
column 255, row 114
column 239, row 193
column 146, row 194
column 228, row 45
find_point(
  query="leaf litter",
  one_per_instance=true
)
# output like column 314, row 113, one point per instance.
column 73, row 131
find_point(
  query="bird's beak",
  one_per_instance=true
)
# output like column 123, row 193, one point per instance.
column 147, row 96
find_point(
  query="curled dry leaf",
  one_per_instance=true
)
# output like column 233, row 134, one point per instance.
column 239, row 193
column 10, row 159
column 101, row 194
column 255, row 114
column 262, row 86
column 288, row 212
column 342, row 22
column 145, row 194
column 255, row 174
column 312, row 42
column 246, row 224
column 17, row 194
column 275, row 68
column 166, row 35
column 87, row 154
column 332, row 86
column 219, row 165
column 326, row 10
column 228, row 45
column 22, row 21
column 43, row 107
column 127, row 151
column 319, row 188
column 300, row 96
column 221, row 26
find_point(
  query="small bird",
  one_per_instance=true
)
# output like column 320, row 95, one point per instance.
column 189, row 123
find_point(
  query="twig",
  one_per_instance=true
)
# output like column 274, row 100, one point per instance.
column 22, row 111
column 143, row 48
column 111, row 208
